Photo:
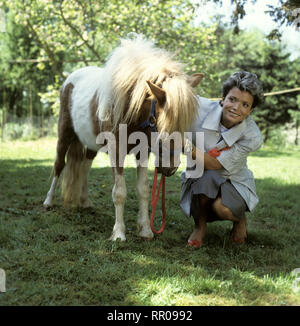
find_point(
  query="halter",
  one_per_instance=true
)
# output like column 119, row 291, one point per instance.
column 151, row 123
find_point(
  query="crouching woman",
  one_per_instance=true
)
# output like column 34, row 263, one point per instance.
column 226, row 190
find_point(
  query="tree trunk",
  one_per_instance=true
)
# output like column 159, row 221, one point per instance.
column 30, row 110
column 297, row 128
column 3, row 114
column 38, row 116
column 266, row 134
column 42, row 110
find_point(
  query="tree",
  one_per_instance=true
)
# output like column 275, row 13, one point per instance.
column 296, row 119
column 287, row 12
column 46, row 40
column 251, row 51
column 74, row 33
column 18, row 82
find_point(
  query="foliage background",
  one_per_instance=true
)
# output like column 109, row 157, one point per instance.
column 42, row 41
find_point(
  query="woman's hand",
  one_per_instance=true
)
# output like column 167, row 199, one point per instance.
column 210, row 163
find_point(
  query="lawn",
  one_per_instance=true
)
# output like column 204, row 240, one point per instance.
column 63, row 257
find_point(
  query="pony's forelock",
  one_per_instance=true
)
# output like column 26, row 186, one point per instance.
column 181, row 105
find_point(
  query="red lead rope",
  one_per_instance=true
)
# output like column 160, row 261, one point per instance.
column 154, row 201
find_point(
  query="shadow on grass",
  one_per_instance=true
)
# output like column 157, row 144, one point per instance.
column 62, row 249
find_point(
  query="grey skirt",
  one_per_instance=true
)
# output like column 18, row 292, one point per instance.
column 212, row 185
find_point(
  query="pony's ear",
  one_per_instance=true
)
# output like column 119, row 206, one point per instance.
column 195, row 79
column 158, row 92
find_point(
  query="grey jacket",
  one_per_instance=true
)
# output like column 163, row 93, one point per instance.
column 242, row 138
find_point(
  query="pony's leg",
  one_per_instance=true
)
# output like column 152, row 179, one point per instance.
column 119, row 196
column 65, row 137
column 84, row 197
column 86, row 166
column 61, row 149
column 49, row 198
column 143, row 196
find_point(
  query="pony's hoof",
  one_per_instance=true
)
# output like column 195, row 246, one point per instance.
column 147, row 235
column 144, row 231
column 87, row 204
column 47, row 207
column 115, row 237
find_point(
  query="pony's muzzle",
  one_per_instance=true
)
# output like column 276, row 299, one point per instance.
column 167, row 168
column 167, row 172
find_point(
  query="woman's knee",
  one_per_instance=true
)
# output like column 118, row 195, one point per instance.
column 222, row 211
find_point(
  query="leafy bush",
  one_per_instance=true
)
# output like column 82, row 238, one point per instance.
column 29, row 130
column 277, row 138
column 281, row 137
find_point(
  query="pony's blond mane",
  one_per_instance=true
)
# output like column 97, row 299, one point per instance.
column 127, row 69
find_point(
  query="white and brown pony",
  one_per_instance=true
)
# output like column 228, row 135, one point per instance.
column 136, row 77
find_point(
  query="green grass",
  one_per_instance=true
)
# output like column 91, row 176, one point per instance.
column 63, row 257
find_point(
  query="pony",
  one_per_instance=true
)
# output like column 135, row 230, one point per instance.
column 138, row 78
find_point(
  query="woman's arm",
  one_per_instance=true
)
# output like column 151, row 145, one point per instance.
column 210, row 163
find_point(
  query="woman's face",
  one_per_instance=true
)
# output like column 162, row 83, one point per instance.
column 237, row 105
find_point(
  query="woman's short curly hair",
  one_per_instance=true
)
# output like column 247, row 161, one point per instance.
column 245, row 81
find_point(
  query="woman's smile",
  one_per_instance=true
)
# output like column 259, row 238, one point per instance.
column 233, row 113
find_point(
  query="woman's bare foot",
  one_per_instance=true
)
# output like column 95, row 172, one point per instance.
column 196, row 239
column 239, row 231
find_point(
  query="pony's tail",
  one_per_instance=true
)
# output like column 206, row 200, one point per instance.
column 73, row 174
